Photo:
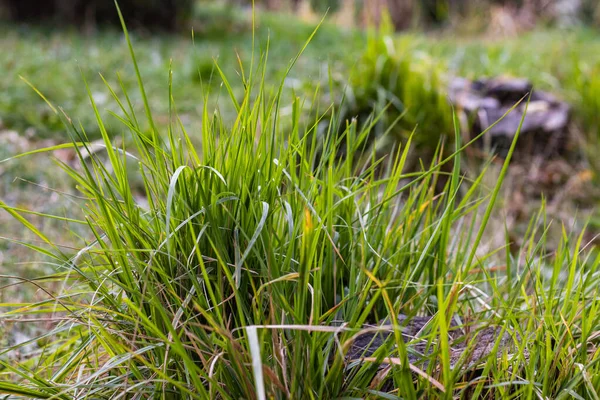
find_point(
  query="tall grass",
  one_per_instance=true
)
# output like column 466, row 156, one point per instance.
column 587, row 87
column 257, row 257
column 403, row 86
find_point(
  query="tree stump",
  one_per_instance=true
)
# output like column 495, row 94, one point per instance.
column 481, row 105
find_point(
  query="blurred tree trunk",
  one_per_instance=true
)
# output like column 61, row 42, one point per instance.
column 146, row 14
column 406, row 13
column 273, row 4
column 401, row 12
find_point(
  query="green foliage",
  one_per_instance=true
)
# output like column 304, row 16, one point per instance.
column 399, row 82
column 587, row 88
column 40, row 56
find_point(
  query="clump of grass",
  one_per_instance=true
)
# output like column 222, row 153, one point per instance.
column 395, row 79
column 587, row 86
column 255, row 261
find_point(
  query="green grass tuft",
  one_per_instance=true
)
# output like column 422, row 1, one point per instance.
column 246, row 267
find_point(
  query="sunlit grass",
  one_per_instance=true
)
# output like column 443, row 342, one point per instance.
column 257, row 256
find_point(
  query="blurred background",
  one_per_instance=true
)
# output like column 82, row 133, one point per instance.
column 405, row 14
column 419, row 59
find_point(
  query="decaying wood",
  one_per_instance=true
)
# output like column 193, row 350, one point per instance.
column 469, row 346
column 483, row 103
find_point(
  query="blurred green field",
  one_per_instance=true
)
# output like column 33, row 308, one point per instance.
column 55, row 62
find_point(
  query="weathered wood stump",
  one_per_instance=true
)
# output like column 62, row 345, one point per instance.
column 469, row 346
column 481, row 105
